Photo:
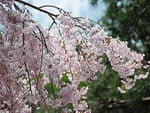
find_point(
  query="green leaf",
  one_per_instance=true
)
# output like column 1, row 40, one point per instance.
column 65, row 79
column 41, row 110
column 46, row 110
column 69, row 106
column 83, row 84
column 52, row 89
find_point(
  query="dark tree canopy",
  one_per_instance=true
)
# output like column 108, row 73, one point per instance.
column 129, row 20
column 93, row 2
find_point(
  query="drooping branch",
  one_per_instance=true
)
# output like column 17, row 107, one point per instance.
column 52, row 15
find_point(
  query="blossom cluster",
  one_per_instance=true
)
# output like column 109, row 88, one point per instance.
column 51, row 68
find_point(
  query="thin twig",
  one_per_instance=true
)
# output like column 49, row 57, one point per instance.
column 51, row 6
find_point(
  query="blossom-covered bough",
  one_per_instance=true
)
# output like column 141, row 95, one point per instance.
column 48, row 69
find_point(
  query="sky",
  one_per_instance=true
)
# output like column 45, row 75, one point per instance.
column 76, row 7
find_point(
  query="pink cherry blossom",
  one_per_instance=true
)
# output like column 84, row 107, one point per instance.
column 32, row 57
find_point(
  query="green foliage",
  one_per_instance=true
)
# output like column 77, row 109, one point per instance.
column 142, row 89
column 130, row 21
column 44, row 109
column 93, row 2
column 65, row 79
column 69, row 106
column 41, row 110
column 83, row 84
column 52, row 89
column 103, row 89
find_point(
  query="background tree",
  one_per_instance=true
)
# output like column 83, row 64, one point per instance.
column 127, row 20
